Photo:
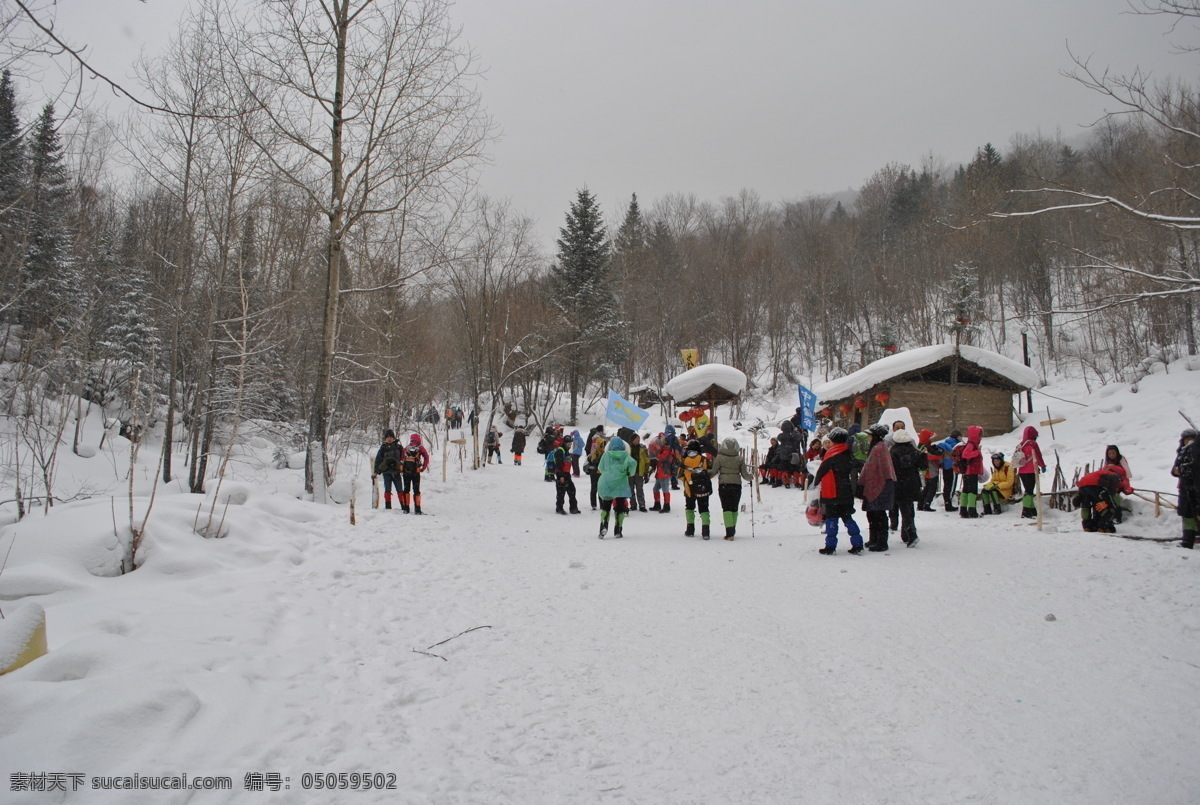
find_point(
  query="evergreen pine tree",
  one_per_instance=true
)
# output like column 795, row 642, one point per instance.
column 12, row 183
column 49, row 276
column 590, row 313
column 965, row 300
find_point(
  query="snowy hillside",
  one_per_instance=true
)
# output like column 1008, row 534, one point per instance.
column 498, row 652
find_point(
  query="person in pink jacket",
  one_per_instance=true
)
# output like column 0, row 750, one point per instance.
column 972, row 457
column 1027, row 458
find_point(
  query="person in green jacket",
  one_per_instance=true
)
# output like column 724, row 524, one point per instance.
column 615, row 469
column 729, row 470
column 638, row 482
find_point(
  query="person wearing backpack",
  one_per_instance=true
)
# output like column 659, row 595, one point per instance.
column 597, row 445
column 665, row 462
column 491, row 444
column 949, row 476
column 970, row 466
column 931, row 470
column 387, row 464
column 694, row 472
column 908, row 462
column 729, row 470
column 1027, row 461
column 564, row 485
column 615, row 469
column 414, row 462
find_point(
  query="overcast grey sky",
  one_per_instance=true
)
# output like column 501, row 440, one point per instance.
column 788, row 98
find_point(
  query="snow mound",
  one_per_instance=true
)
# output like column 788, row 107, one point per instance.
column 296, row 460
column 911, row 360
column 695, row 381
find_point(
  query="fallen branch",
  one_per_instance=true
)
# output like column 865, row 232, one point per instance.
column 1146, row 539
column 460, row 634
column 427, row 654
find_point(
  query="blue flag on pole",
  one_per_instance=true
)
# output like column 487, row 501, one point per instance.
column 808, row 409
column 623, row 412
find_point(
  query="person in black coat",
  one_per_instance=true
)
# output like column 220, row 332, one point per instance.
column 387, row 464
column 1187, row 469
column 518, row 445
column 908, row 462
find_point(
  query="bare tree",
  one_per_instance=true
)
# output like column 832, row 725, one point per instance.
column 370, row 113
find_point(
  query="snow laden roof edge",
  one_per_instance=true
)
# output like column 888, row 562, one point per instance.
column 911, row 360
column 695, row 381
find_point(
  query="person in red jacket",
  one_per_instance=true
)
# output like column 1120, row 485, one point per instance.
column 1027, row 459
column 972, row 457
column 1096, row 492
column 837, row 493
column 931, row 470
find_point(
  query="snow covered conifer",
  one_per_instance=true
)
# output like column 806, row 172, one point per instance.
column 590, row 312
column 12, row 182
column 965, row 301
column 49, row 278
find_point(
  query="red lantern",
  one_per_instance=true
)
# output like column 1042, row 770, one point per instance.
column 685, row 416
column 890, row 349
column 826, row 412
column 882, row 398
column 860, row 403
column 844, row 409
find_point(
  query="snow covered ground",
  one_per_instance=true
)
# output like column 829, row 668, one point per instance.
column 652, row 669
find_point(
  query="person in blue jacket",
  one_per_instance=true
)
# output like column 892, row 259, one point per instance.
column 576, row 452
column 673, row 442
column 949, row 479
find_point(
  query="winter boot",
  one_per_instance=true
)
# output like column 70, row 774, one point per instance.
column 704, row 533
column 387, row 500
column 619, row 531
column 828, row 551
column 575, row 509
column 603, row 526
column 560, row 510
column 949, row 507
column 657, row 507
column 730, row 531
column 1089, row 525
column 690, row 531
column 855, row 550
column 1189, row 540
column 666, row 509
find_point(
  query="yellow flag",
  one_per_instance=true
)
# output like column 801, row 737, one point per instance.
column 691, row 358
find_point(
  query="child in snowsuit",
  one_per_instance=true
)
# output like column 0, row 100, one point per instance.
column 1187, row 469
column 595, row 453
column 387, row 464
column 972, row 468
column 518, row 445
column 697, row 487
column 729, row 469
column 1096, row 490
column 491, row 443
column 1027, row 459
column 949, row 479
column 564, row 486
column 1112, row 455
column 638, row 482
column 769, row 470
column 414, row 462
column 615, row 469
column 837, row 495
column 877, row 481
column 931, row 470
column 999, row 487
column 909, row 463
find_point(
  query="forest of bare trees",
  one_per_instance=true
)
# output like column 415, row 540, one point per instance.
column 295, row 242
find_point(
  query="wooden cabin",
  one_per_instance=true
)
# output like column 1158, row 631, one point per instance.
column 944, row 387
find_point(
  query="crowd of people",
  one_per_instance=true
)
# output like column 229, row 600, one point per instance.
column 889, row 472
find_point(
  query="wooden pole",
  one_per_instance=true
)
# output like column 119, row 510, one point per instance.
column 1038, row 480
column 1028, row 392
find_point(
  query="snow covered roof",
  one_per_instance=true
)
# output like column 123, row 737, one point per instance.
column 914, row 360
column 695, row 382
